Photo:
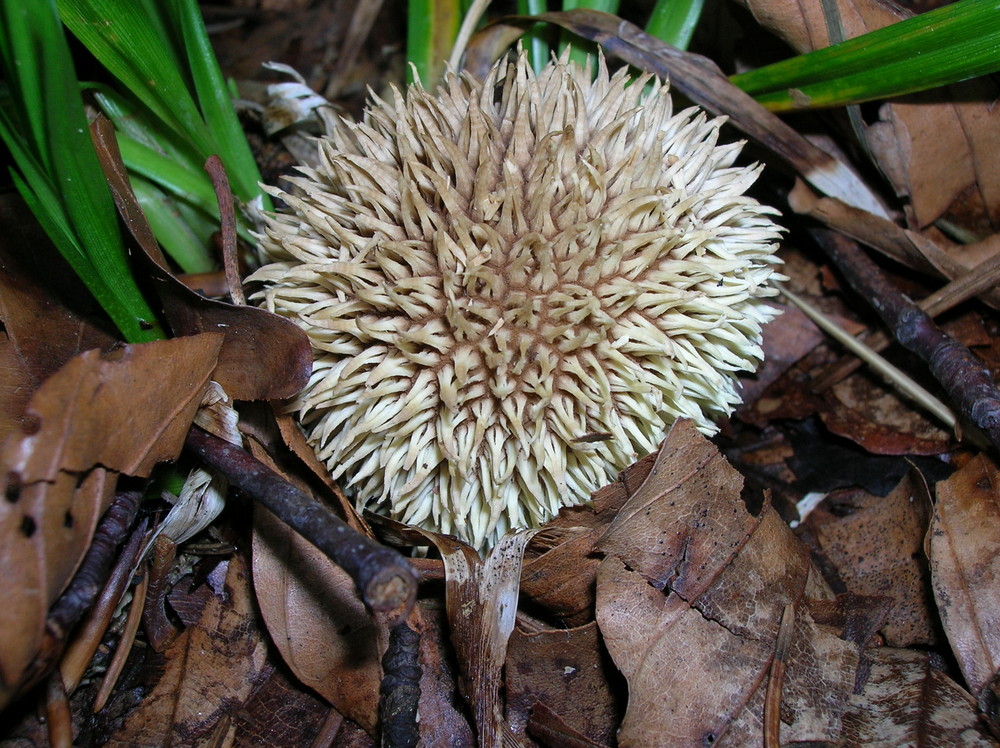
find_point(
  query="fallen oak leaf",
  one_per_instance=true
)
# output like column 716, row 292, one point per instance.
column 567, row 673
column 44, row 307
column 963, row 545
column 690, row 598
column 98, row 416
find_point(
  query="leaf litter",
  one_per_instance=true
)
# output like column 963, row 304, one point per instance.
column 677, row 608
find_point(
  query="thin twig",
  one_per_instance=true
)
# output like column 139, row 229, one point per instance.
column 983, row 276
column 892, row 374
column 963, row 376
column 227, row 228
column 385, row 581
column 400, row 689
column 96, row 564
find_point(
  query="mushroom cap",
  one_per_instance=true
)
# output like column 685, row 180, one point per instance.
column 514, row 287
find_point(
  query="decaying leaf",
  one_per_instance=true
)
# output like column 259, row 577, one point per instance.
column 482, row 604
column 876, row 546
column 964, row 550
column 100, row 415
column 316, row 620
column 211, row 671
column 907, row 699
column 690, row 598
column 567, row 671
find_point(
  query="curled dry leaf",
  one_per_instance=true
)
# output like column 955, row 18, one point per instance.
column 317, row 621
column 876, row 546
column 263, row 357
column 100, row 415
column 210, row 672
column 964, row 551
column 481, row 598
column 690, row 599
column 907, row 699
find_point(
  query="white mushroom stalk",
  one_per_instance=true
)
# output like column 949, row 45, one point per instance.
column 514, row 287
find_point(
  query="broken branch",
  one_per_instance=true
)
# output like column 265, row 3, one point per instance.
column 384, row 579
column 963, row 376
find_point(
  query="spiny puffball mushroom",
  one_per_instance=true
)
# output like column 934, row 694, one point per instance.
column 514, row 287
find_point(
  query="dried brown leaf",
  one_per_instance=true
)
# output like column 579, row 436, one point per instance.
column 877, row 550
column 567, row 671
column 99, row 415
column 263, row 356
column 211, row 672
column 964, row 551
column 906, row 699
column 939, row 150
column 316, row 620
column 803, row 24
column 690, row 599
column 16, row 386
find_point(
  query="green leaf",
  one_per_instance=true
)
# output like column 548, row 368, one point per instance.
column 432, row 26
column 183, row 232
column 536, row 45
column 943, row 46
column 122, row 37
column 46, row 131
column 674, row 21
column 217, row 106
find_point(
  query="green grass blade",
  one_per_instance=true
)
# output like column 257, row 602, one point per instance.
column 132, row 119
column 947, row 45
column 61, row 177
column 535, row 43
column 183, row 233
column 674, row 21
column 192, row 186
column 217, row 106
column 120, row 35
column 432, row 26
